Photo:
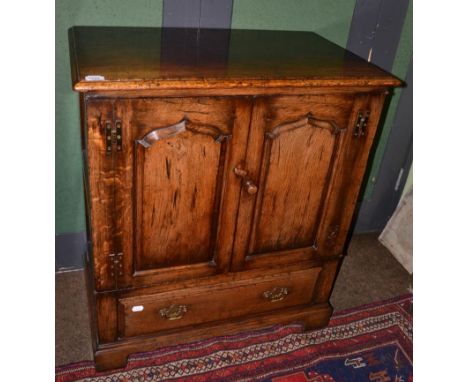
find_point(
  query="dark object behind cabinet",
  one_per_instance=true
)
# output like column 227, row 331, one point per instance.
column 232, row 175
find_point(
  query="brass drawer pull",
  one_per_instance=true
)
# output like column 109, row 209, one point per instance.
column 276, row 294
column 173, row 312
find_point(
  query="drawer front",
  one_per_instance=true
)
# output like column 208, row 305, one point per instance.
column 174, row 309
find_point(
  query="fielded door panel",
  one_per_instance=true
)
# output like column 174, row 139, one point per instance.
column 295, row 146
column 175, row 196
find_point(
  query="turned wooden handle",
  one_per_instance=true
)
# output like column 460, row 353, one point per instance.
column 173, row 312
column 247, row 183
column 276, row 294
column 249, row 186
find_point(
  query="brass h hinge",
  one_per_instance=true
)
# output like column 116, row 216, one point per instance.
column 113, row 136
column 115, row 264
column 360, row 128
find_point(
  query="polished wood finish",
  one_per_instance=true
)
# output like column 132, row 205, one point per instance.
column 114, row 355
column 100, row 181
column 146, row 314
column 134, row 58
column 180, row 186
column 291, row 152
column 179, row 180
column 220, row 187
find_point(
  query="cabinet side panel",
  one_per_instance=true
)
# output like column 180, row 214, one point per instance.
column 101, row 191
column 106, row 308
column 347, row 178
column 123, row 193
column 326, row 281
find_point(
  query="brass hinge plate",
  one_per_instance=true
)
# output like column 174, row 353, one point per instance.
column 360, row 128
column 113, row 136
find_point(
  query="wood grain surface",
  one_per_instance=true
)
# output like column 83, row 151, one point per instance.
column 205, row 304
column 225, row 201
column 125, row 58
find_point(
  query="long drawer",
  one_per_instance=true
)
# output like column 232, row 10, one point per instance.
column 175, row 309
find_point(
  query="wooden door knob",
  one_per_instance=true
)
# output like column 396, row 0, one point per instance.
column 247, row 183
column 249, row 186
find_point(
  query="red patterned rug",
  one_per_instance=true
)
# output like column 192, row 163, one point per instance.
column 369, row 343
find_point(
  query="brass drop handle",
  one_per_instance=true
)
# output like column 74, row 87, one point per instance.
column 173, row 312
column 247, row 183
column 276, row 294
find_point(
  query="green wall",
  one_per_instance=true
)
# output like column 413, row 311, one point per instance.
column 331, row 19
column 69, row 202
column 400, row 67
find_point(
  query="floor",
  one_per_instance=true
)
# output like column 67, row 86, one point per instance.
column 369, row 273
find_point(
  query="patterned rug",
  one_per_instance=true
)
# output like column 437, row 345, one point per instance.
column 368, row 343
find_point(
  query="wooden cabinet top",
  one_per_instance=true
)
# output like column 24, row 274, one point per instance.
column 127, row 58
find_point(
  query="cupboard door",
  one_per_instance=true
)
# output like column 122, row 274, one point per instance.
column 293, row 147
column 176, row 200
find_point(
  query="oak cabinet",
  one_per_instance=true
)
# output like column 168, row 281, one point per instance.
column 219, row 197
